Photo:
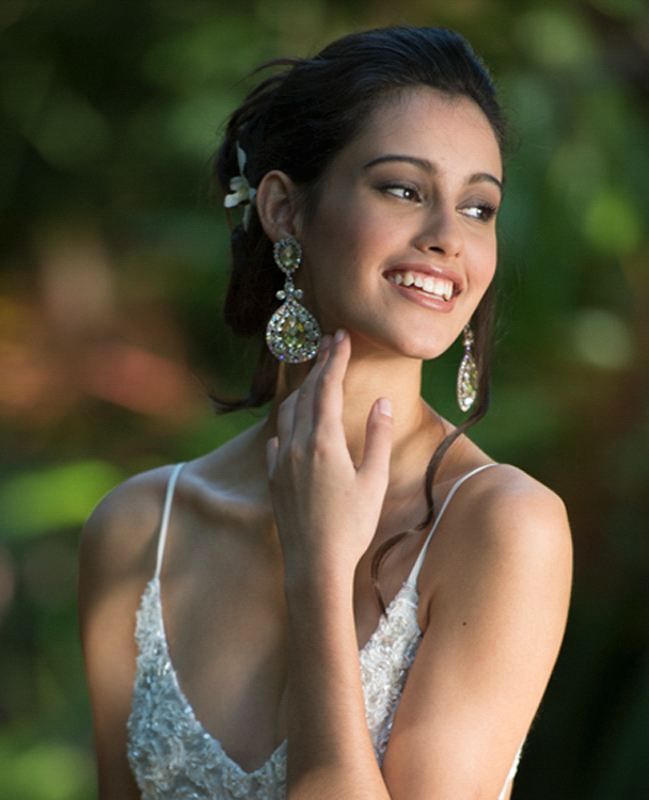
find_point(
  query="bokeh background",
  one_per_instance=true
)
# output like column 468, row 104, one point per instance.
column 113, row 264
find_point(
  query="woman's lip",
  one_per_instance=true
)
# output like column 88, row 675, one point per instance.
column 432, row 271
column 431, row 301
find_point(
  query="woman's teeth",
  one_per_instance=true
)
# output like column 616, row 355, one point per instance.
column 437, row 286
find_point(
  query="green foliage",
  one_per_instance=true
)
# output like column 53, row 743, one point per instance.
column 114, row 264
column 62, row 496
column 45, row 771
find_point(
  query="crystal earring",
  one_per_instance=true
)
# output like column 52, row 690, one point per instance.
column 292, row 333
column 467, row 376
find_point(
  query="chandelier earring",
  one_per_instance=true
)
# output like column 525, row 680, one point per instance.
column 467, row 376
column 292, row 334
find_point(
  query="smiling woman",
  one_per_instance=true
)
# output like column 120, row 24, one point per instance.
column 416, row 200
column 268, row 664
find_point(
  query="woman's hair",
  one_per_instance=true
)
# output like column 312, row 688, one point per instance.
column 296, row 121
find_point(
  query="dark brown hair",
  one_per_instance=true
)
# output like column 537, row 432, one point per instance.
column 296, row 121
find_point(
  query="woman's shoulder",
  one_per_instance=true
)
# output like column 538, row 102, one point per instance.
column 505, row 485
column 508, row 513
column 502, row 508
column 509, row 498
column 504, row 539
column 120, row 533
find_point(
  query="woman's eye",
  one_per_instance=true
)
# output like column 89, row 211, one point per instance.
column 480, row 211
column 403, row 192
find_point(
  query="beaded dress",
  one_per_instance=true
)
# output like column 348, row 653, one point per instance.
column 174, row 758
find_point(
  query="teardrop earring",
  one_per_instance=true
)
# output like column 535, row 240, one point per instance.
column 292, row 333
column 467, row 376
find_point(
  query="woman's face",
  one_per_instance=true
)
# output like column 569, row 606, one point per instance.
column 402, row 244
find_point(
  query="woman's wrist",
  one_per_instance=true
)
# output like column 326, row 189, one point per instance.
column 322, row 579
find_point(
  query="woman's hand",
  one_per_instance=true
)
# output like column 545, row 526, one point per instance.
column 326, row 508
column 327, row 511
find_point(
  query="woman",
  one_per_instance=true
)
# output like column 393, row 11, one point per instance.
column 375, row 170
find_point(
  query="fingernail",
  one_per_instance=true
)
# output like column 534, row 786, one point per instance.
column 385, row 407
column 325, row 342
column 340, row 335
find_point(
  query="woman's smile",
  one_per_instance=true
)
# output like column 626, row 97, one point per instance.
column 412, row 203
column 420, row 283
column 439, row 287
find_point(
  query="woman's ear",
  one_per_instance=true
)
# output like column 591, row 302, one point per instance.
column 276, row 202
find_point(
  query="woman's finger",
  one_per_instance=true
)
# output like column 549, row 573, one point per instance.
column 328, row 402
column 378, row 441
column 304, row 414
column 285, row 421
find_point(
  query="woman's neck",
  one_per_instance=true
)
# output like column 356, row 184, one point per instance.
column 417, row 429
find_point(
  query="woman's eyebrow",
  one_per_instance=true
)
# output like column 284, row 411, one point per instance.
column 426, row 166
column 479, row 177
column 417, row 162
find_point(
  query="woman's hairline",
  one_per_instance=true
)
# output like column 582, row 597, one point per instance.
column 310, row 192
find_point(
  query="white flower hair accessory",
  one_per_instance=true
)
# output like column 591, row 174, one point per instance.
column 241, row 192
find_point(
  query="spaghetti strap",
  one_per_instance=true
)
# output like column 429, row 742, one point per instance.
column 414, row 573
column 166, row 513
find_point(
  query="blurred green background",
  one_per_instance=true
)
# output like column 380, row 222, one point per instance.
column 113, row 263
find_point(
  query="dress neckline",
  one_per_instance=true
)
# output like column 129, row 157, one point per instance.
column 406, row 594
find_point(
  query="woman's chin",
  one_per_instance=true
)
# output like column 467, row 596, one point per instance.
column 423, row 348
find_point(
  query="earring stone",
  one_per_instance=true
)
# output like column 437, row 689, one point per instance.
column 467, row 376
column 292, row 334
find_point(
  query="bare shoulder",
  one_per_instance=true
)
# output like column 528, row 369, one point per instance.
column 517, row 510
column 119, row 541
column 506, row 525
column 119, row 537
column 502, row 522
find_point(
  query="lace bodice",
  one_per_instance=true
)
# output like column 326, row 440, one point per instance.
column 174, row 758
column 171, row 754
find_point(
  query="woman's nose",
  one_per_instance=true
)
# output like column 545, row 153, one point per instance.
column 441, row 233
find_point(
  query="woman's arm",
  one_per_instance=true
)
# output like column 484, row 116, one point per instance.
column 495, row 624
column 116, row 551
column 327, row 512
column 496, row 617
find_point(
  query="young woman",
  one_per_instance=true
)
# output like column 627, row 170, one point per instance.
column 369, row 178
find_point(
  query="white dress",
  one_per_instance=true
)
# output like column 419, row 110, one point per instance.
column 174, row 758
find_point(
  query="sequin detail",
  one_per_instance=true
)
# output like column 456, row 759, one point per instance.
column 385, row 663
column 171, row 754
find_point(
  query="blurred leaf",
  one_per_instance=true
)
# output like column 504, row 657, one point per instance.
column 45, row 771
column 612, row 223
column 215, row 53
column 602, row 338
column 38, row 502
column 69, row 131
column 556, row 36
